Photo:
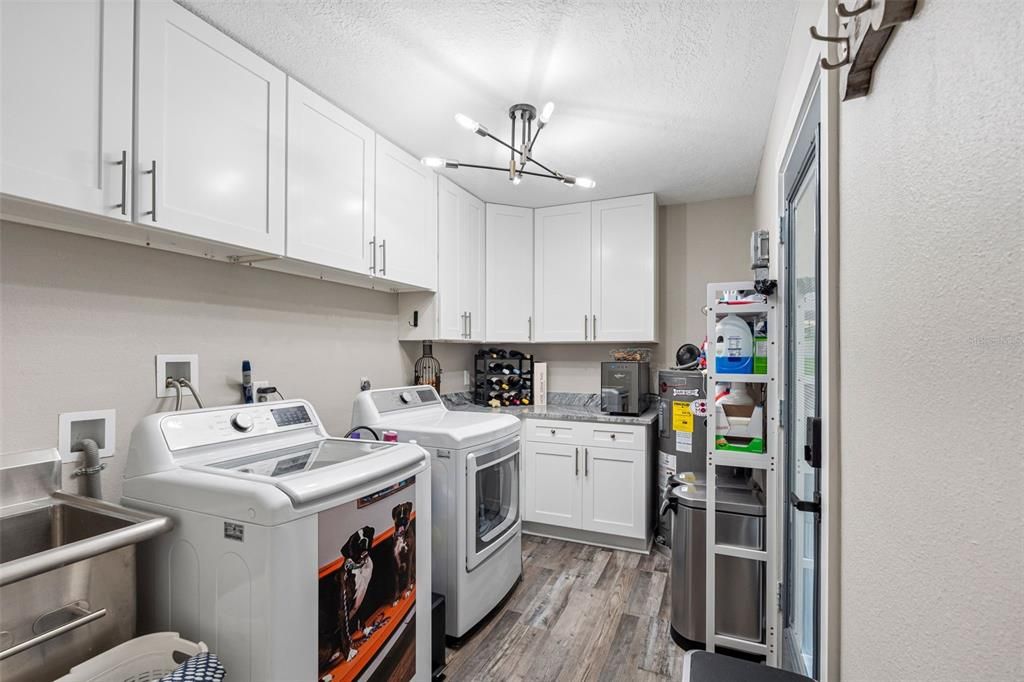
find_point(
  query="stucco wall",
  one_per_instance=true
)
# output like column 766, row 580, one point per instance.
column 931, row 260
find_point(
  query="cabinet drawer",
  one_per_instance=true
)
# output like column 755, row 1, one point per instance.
column 616, row 436
column 554, row 431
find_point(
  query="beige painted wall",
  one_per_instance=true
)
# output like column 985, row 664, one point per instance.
column 81, row 320
column 931, row 169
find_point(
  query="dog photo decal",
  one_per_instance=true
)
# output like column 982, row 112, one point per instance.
column 367, row 590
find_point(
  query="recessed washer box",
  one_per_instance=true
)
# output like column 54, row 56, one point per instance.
column 178, row 367
column 74, row 427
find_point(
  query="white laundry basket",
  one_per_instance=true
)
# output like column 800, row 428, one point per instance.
column 143, row 659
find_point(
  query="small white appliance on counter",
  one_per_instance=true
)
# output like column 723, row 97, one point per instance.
column 294, row 554
column 475, row 465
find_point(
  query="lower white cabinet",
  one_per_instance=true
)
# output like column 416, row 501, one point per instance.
column 583, row 485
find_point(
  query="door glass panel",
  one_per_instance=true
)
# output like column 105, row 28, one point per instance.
column 497, row 500
column 802, row 364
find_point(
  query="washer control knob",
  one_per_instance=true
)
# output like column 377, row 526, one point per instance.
column 406, row 397
column 241, row 422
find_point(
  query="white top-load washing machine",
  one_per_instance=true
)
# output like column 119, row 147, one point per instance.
column 475, row 465
column 294, row 554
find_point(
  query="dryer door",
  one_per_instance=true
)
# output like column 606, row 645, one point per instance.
column 492, row 499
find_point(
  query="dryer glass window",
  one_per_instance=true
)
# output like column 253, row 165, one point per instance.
column 497, row 500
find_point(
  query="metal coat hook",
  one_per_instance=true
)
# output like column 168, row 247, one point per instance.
column 847, row 13
column 839, row 40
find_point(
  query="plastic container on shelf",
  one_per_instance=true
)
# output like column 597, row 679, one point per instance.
column 142, row 659
column 734, row 346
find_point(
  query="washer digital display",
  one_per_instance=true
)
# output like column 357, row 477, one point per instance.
column 290, row 416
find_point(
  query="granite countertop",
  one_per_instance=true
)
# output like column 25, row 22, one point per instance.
column 577, row 407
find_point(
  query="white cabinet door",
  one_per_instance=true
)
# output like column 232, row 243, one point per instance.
column 330, row 183
column 562, row 261
column 624, row 298
column 509, row 266
column 451, row 314
column 552, row 475
column 406, row 214
column 471, row 256
column 613, row 491
column 66, row 103
column 211, row 133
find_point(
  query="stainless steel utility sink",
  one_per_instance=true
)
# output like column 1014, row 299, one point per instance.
column 67, row 570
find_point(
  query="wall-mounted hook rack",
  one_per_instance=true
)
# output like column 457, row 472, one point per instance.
column 863, row 35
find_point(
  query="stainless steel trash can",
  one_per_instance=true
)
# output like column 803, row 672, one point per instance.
column 739, row 588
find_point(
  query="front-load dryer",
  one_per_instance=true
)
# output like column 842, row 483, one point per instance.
column 294, row 555
column 475, row 466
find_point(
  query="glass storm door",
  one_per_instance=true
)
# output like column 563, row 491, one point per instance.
column 803, row 427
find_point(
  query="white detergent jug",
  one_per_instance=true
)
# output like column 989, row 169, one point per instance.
column 734, row 346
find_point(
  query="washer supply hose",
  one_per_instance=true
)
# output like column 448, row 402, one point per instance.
column 376, row 436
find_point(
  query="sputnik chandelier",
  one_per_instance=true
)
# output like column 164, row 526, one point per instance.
column 520, row 156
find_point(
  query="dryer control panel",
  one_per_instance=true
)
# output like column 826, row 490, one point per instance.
column 407, row 397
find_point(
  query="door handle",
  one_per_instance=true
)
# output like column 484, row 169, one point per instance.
column 463, row 316
column 586, row 461
column 812, row 447
column 812, row 506
column 577, row 458
column 152, row 172
column 123, row 163
column 373, row 257
column 383, row 256
column 586, row 321
column 469, row 334
column 84, row 618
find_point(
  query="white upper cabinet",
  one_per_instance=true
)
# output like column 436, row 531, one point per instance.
column 624, row 294
column 562, row 262
column 330, row 183
column 406, row 215
column 211, row 133
column 510, row 267
column 66, row 103
column 460, row 290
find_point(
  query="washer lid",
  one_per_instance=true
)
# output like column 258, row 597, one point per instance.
column 450, row 430
column 313, row 471
column 731, row 500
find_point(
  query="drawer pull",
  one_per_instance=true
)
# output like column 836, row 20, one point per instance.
column 552, row 432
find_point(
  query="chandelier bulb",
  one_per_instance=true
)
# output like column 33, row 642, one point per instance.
column 516, row 179
column 466, row 122
column 585, row 183
column 545, row 113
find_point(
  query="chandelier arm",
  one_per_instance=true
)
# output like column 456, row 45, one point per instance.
column 505, row 170
column 506, row 145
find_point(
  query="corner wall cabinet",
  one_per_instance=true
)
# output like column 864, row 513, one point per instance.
column 330, row 183
column 211, row 133
column 587, row 481
column 509, row 267
column 66, row 116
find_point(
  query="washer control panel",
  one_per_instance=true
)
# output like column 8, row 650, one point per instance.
column 235, row 422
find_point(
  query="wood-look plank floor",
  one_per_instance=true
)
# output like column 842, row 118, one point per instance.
column 579, row 613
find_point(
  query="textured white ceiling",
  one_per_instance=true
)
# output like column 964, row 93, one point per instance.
column 672, row 97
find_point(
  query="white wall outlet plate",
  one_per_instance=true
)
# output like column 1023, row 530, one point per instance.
column 73, row 427
column 176, row 366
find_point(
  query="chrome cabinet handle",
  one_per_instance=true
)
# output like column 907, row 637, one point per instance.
column 373, row 259
column 463, row 316
column 84, row 619
column 152, row 172
column 577, row 458
column 469, row 334
column 383, row 256
column 586, row 461
column 586, row 319
column 529, row 328
column 593, row 326
column 123, row 163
